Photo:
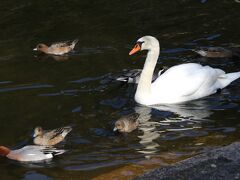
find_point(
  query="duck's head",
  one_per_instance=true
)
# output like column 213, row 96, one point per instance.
column 41, row 47
column 145, row 43
column 119, row 126
column 38, row 131
column 4, row 151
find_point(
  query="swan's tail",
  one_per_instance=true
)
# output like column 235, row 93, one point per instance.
column 226, row 79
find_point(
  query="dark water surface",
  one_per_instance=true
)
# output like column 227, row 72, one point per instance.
column 76, row 89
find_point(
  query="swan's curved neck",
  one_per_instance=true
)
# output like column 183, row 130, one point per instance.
column 145, row 81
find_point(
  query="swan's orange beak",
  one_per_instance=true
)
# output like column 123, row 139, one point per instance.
column 136, row 48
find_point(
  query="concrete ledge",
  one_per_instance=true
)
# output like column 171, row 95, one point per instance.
column 220, row 163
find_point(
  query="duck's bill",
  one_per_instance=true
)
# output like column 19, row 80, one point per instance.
column 115, row 129
column 35, row 49
column 136, row 48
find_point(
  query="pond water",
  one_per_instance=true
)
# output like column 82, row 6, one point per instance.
column 78, row 90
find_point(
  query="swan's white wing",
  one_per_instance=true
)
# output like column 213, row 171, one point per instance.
column 186, row 80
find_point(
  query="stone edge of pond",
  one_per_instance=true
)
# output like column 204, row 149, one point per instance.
column 219, row 163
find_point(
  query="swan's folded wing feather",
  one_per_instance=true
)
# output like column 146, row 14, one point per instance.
column 185, row 80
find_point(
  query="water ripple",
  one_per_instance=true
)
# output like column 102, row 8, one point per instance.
column 26, row 87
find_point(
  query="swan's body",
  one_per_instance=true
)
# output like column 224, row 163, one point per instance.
column 179, row 83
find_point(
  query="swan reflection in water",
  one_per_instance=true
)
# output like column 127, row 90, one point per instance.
column 175, row 119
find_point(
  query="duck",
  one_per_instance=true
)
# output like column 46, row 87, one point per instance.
column 59, row 48
column 218, row 52
column 132, row 76
column 50, row 137
column 127, row 124
column 180, row 83
column 30, row 153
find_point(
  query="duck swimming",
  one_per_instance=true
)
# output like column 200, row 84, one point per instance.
column 218, row 52
column 59, row 48
column 127, row 124
column 30, row 153
column 180, row 83
column 50, row 137
column 132, row 76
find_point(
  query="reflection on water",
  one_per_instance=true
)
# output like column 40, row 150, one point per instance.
column 195, row 110
column 44, row 57
column 185, row 118
column 41, row 164
column 79, row 88
column 34, row 175
column 149, row 130
column 25, row 87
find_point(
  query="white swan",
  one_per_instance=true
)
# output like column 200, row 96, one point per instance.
column 179, row 83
